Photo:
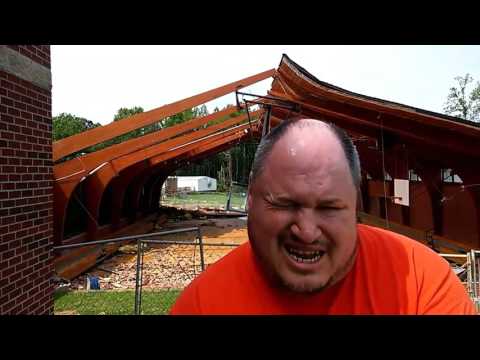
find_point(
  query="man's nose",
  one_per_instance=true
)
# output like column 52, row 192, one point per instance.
column 305, row 227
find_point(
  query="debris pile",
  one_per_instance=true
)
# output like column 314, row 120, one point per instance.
column 195, row 212
column 167, row 266
column 164, row 267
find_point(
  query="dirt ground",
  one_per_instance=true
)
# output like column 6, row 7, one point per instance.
column 169, row 266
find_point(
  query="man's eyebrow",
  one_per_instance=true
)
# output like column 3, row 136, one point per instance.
column 285, row 199
column 278, row 197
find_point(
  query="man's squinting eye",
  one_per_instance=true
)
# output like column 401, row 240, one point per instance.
column 330, row 209
column 282, row 205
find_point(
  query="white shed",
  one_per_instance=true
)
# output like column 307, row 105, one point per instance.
column 197, row 183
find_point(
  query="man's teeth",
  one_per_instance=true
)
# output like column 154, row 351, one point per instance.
column 304, row 256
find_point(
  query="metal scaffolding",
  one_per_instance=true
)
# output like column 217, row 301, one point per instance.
column 469, row 273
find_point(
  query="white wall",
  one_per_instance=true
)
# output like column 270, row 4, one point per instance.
column 187, row 182
column 198, row 183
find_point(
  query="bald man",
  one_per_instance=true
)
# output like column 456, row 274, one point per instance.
column 306, row 253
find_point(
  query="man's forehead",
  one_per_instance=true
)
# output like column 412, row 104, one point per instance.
column 308, row 138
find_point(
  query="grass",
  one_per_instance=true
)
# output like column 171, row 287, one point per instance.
column 101, row 302
column 211, row 199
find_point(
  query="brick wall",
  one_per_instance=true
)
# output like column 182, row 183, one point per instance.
column 26, row 191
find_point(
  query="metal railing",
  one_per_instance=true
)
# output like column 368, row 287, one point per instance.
column 152, row 239
column 473, row 276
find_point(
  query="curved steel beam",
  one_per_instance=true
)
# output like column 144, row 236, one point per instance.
column 97, row 183
column 94, row 136
column 89, row 162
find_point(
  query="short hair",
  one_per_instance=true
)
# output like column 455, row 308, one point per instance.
column 268, row 141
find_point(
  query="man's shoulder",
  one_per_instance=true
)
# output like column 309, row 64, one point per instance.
column 421, row 272
column 388, row 242
column 380, row 236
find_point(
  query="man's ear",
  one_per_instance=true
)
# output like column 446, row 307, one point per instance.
column 249, row 200
column 359, row 205
column 249, row 192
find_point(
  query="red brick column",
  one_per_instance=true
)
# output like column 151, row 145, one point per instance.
column 26, row 188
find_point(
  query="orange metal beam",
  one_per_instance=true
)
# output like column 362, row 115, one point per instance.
column 102, row 177
column 193, row 155
column 61, row 197
column 203, row 149
column 221, row 138
column 64, row 187
column 288, row 79
column 119, row 188
column 135, row 193
column 86, row 163
column 186, row 147
column 94, row 136
column 93, row 195
column 345, row 121
column 225, row 140
column 190, row 150
column 127, row 177
column 410, row 126
column 152, row 188
column 125, row 161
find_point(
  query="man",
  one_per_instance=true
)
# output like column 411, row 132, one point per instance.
column 307, row 255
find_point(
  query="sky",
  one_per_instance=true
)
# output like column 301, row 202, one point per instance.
column 93, row 82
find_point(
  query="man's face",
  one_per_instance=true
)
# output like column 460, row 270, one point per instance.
column 302, row 210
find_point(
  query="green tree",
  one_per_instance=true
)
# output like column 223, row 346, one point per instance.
column 65, row 125
column 123, row 113
column 464, row 103
column 185, row 116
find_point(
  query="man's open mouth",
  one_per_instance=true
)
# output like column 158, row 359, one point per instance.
column 303, row 256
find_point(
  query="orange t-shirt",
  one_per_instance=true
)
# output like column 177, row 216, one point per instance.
column 392, row 274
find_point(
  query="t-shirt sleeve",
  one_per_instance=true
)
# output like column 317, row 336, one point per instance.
column 187, row 303
column 440, row 291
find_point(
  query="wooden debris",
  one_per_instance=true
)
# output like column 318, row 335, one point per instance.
column 169, row 266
